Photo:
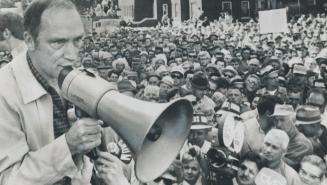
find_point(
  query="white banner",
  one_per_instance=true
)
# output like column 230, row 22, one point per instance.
column 273, row 21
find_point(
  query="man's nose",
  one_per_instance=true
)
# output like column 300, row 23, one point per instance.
column 71, row 52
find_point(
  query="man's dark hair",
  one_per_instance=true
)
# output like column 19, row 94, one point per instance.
column 254, row 157
column 13, row 22
column 33, row 13
column 222, row 83
column 267, row 103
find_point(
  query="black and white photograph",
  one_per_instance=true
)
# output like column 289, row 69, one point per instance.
column 163, row 92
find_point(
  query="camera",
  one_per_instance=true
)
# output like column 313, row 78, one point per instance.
column 223, row 165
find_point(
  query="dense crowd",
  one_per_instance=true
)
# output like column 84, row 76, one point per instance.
column 270, row 87
column 272, row 84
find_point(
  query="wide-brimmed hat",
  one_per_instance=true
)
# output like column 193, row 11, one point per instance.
column 308, row 114
column 229, row 69
column 200, row 81
column 125, row 85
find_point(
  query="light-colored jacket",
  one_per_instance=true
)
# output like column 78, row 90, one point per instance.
column 29, row 154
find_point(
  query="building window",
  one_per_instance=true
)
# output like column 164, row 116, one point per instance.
column 165, row 9
column 227, row 7
column 245, row 9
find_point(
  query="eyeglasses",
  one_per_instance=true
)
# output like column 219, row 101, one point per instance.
column 176, row 76
column 228, row 75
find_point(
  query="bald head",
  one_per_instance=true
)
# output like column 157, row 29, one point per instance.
column 278, row 137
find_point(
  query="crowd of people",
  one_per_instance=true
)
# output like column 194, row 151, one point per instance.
column 270, row 87
column 274, row 83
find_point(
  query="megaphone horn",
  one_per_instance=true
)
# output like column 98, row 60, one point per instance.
column 154, row 132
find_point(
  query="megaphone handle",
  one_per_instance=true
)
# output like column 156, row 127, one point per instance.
column 79, row 114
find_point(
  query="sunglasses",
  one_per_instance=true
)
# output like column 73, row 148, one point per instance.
column 176, row 76
column 228, row 75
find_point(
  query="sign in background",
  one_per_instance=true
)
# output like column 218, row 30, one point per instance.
column 273, row 21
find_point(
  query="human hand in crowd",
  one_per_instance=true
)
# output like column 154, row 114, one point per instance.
column 110, row 169
column 84, row 135
column 195, row 151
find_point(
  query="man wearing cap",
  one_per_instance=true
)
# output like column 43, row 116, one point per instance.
column 177, row 74
column 298, row 146
column 198, row 135
column 165, row 85
column 271, row 84
column 126, row 87
column 201, row 102
column 308, row 121
column 204, row 58
column 275, row 148
column 253, row 66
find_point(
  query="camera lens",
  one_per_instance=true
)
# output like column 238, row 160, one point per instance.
column 217, row 158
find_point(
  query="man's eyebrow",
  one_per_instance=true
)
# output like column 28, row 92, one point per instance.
column 79, row 37
column 58, row 40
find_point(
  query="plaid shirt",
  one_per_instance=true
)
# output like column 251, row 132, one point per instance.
column 60, row 120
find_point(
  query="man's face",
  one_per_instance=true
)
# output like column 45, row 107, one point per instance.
column 254, row 67
column 235, row 96
column 197, row 137
column 113, row 77
column 154, row 81
column 178, row 78
column 310, row 174
column 199, row 93
column 279, row 54
column 204, row 61
column 283, row 123
column 272, row 80
column 318, row 101
column 191, row 171
column 272, row 150
column 252, row 84
column 294, row 99
column 247, row 173
column 120, row 67
column 310, row 130
column 58, row 42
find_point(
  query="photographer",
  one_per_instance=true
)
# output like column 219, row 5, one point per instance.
column 250, row 167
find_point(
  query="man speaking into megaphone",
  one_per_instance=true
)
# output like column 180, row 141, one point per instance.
column 37, row 144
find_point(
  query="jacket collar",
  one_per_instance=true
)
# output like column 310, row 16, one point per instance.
column 29, row 87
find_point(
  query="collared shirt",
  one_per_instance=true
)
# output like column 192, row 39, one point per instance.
column 60, row 120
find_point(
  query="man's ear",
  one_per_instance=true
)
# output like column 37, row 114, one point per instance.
column 6, row 34
column 29, row 41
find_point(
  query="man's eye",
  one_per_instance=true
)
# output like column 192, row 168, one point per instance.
column 57, row 44
column 78, row 42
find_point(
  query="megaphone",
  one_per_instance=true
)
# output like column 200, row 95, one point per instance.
column 155, row 132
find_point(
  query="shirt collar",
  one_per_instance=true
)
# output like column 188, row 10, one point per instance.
column 36, row 74
column 28, row 85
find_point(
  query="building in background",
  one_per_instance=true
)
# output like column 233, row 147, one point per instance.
column 141, row 11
